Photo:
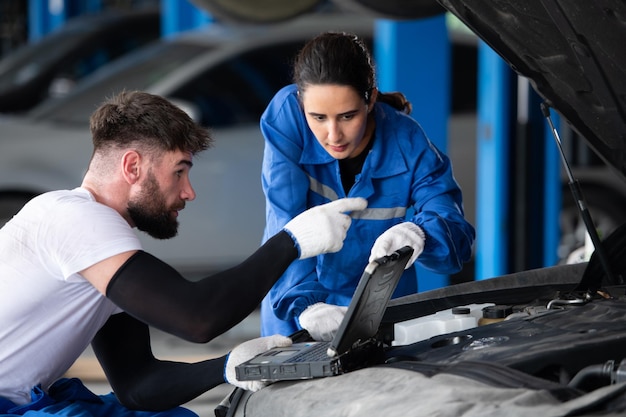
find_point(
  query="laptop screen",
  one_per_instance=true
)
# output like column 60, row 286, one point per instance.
column 370, row 300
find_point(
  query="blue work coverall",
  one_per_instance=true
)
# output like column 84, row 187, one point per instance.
column 404, row 178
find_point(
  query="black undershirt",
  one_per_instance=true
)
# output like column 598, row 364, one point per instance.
column 349, row 168
column 153, row 293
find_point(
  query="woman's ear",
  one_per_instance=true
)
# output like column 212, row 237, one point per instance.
column 299, row 96
column 372, row 99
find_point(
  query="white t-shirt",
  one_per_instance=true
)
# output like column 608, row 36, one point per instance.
column 48, row 312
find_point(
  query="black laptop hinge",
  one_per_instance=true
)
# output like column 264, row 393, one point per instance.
column 362, row 356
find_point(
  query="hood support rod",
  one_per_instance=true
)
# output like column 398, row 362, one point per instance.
column 584, row 211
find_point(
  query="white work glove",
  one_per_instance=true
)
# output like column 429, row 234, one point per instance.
column 399, row 236
column 322, row 229
column 322, row 320
column 248, row 350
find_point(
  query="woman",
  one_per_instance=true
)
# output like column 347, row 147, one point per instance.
column 332, row 134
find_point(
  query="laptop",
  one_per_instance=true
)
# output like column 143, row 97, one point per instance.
column 355, row 344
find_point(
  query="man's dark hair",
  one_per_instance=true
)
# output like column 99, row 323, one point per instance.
column 137, row 117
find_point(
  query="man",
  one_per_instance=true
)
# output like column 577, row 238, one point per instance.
column 72, row 272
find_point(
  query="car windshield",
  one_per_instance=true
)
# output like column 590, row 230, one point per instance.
column 136, row 72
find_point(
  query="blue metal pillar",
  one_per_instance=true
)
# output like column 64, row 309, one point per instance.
column 553, row 193
column 538, row 231
column 181, row 15
column 46, row 15
column 492, row 188
column 518, row 174
column 414, row 57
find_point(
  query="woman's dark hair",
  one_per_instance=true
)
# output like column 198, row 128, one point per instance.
column 343, row 59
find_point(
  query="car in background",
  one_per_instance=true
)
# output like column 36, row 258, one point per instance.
column 224, row 76
column 52, row 65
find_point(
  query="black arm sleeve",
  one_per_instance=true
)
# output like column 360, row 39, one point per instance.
column 198, row 311
column 139, row 380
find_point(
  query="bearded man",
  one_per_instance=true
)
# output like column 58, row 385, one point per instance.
column 73, row 272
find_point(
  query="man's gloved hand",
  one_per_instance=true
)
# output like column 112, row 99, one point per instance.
column 322, row 320
column 398, row 236
column 322, row 229
column 246, row 351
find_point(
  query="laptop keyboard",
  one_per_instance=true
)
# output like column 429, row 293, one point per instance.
column 316, row 353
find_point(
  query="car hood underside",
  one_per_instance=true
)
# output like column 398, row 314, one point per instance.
column 572, row 52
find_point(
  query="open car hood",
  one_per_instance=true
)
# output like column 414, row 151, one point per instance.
column 574, row 54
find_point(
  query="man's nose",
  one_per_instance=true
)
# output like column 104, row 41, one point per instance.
column 188, row 193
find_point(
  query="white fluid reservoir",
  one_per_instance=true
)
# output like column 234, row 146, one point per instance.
column 446, row 321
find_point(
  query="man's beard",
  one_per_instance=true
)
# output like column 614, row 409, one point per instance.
column 149, row 211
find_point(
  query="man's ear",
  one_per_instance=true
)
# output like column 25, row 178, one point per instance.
column 131, row 166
